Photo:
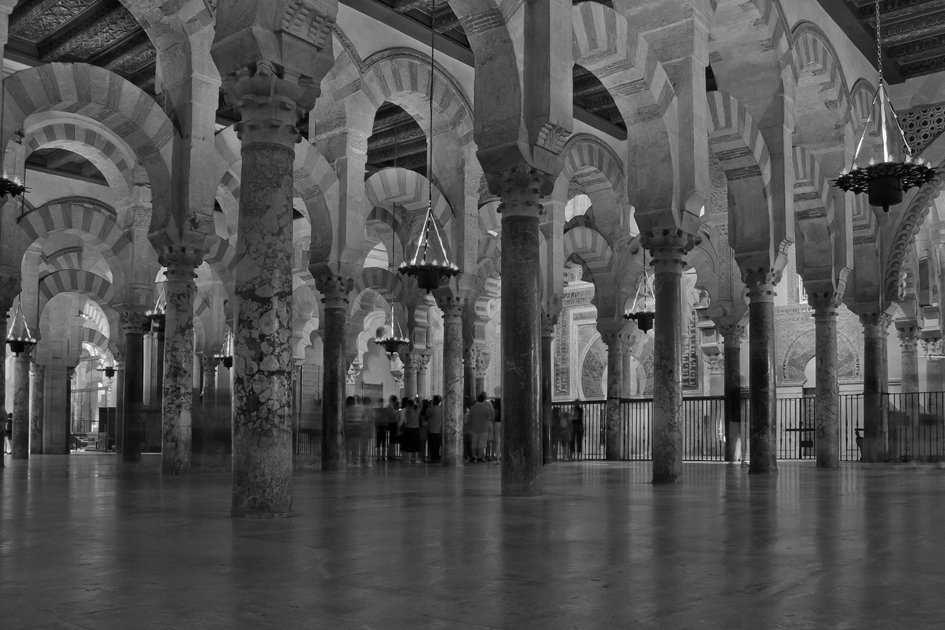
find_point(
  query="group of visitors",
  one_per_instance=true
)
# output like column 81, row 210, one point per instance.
column 567, row 432
column 411, row 430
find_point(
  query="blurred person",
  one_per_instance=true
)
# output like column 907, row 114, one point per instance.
column 409, row 425
column 481, row 427
column 435, row 428
column 577, row 433
column 424, row 429
column 353, row 416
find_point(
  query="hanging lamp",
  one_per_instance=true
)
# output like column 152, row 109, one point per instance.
column 20, row 339
column 641, row 311
column 157, row 315
column 885, row 181
column 8, row 187
column 391, row 336
column 430, row 264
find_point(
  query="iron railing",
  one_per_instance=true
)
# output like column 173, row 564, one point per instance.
column 915, row 426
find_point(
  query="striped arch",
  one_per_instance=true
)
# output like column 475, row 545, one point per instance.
column 904, row 236
column 606, row 45
column 402, row 76
column 69, row 257
column 861, row 100
column 822, row 101
column 383, row 220
column 592, row 164
column 597, row 254
column 94, row 337
column 382, row 281
column 95, row 93
column 704, row 258
column 811, row 188
column 77, row 215
column 88, row 284
column 110, row 159
column 737, row 142
column 222, row 259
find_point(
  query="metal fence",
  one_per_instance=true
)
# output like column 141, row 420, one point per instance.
column 703, row 427
column 915, row 426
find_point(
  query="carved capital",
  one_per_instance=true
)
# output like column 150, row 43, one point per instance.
column 874, row 325
column 760, row 282
column 335, row 290
column 452, row 307
column 180, row 262
column 732, row 334
column 134, row 322
column 521, row 189
column 668, row 248
column 824, row 302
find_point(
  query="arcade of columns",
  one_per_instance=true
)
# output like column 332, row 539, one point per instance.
column 778, row 124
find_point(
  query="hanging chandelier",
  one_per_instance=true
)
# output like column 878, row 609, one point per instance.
column 11, row 188
column 21, row 338
column 430, row 264
column 225, row 355
column 157, row 315
column 898, row 171
column 391, row 336
column 642, row 309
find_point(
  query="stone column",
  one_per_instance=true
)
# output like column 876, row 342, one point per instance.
column 521, row 337
column 763, row 439
column 453, row 373
column 119, row 405
column 669, row 250
column 335, row 291
column 615, row 344
column 178, row 380
column 547, row 376
column 208, row 430
column 482, row 367
column 827, row 392
column 469, row 373
column 935, row 366
column 732, row 336
column 21, row 405
column 410, row 374
column 422, row 362
column 909, row 345
column 909, row 386
column 874, row 385
column 37, row 397
column 9, row 287
column 133, row 326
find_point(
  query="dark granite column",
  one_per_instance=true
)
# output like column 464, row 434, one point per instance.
column 732, row 336
column 547, row 375
column 210, row 433
column 453, row 375
column 827, row 392
column 903, row 434
column 119, row 405
column 874, row 386
column 133, row 326
column 5, row 305
column 178, row 368
column 21, row 405
column 521, row 336
column 335, row 291
column 469, row 373
column 763, row 440
column 37, row 400
column 669, row 250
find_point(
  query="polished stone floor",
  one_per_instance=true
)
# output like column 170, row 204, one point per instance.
column 87, row 543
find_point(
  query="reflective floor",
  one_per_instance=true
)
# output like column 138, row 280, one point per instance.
column 86, row 543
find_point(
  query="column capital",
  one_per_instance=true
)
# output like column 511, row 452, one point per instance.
column 908, row 339
column 134, row 322
column 824, row 301
column 421, row 360
column 933, row 347
column 451, row 305
column 668, row 243
column 760, row 282
column 874, row 324
column 715, row 363
column 732, row 333
column 181, row 262
column 521, row 189
column 209, row 362
column 548, row 323
column 335, row 290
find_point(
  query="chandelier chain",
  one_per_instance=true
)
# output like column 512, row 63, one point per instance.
column 879, row 45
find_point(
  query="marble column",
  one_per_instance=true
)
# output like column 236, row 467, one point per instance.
column 270, row 104
column 874, row 385
column 119, row 405
column 669, row 250
column 615, row 344
column 133, row 327
column 521, row 336
column 37, row 397
column 335, row 291
column 469, row 373
column 547, row 376
column 909, row 346
column 453, row 376
column 763, row 431
column 422, row 362
column 21, row 405
column 209, row 433
column 410, row 374
column 5, row 305
column 178, row 351
column 827, row 391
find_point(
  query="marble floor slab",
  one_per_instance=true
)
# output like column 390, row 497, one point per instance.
column 86, row 542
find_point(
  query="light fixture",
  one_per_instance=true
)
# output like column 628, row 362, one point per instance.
column 429, row 264
column 8, row 187
column 391, row 336
column 157, row 314
column 885, row 181
column 20, row 338
column 644, row 302
column 225, row 355
column 108, row 370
